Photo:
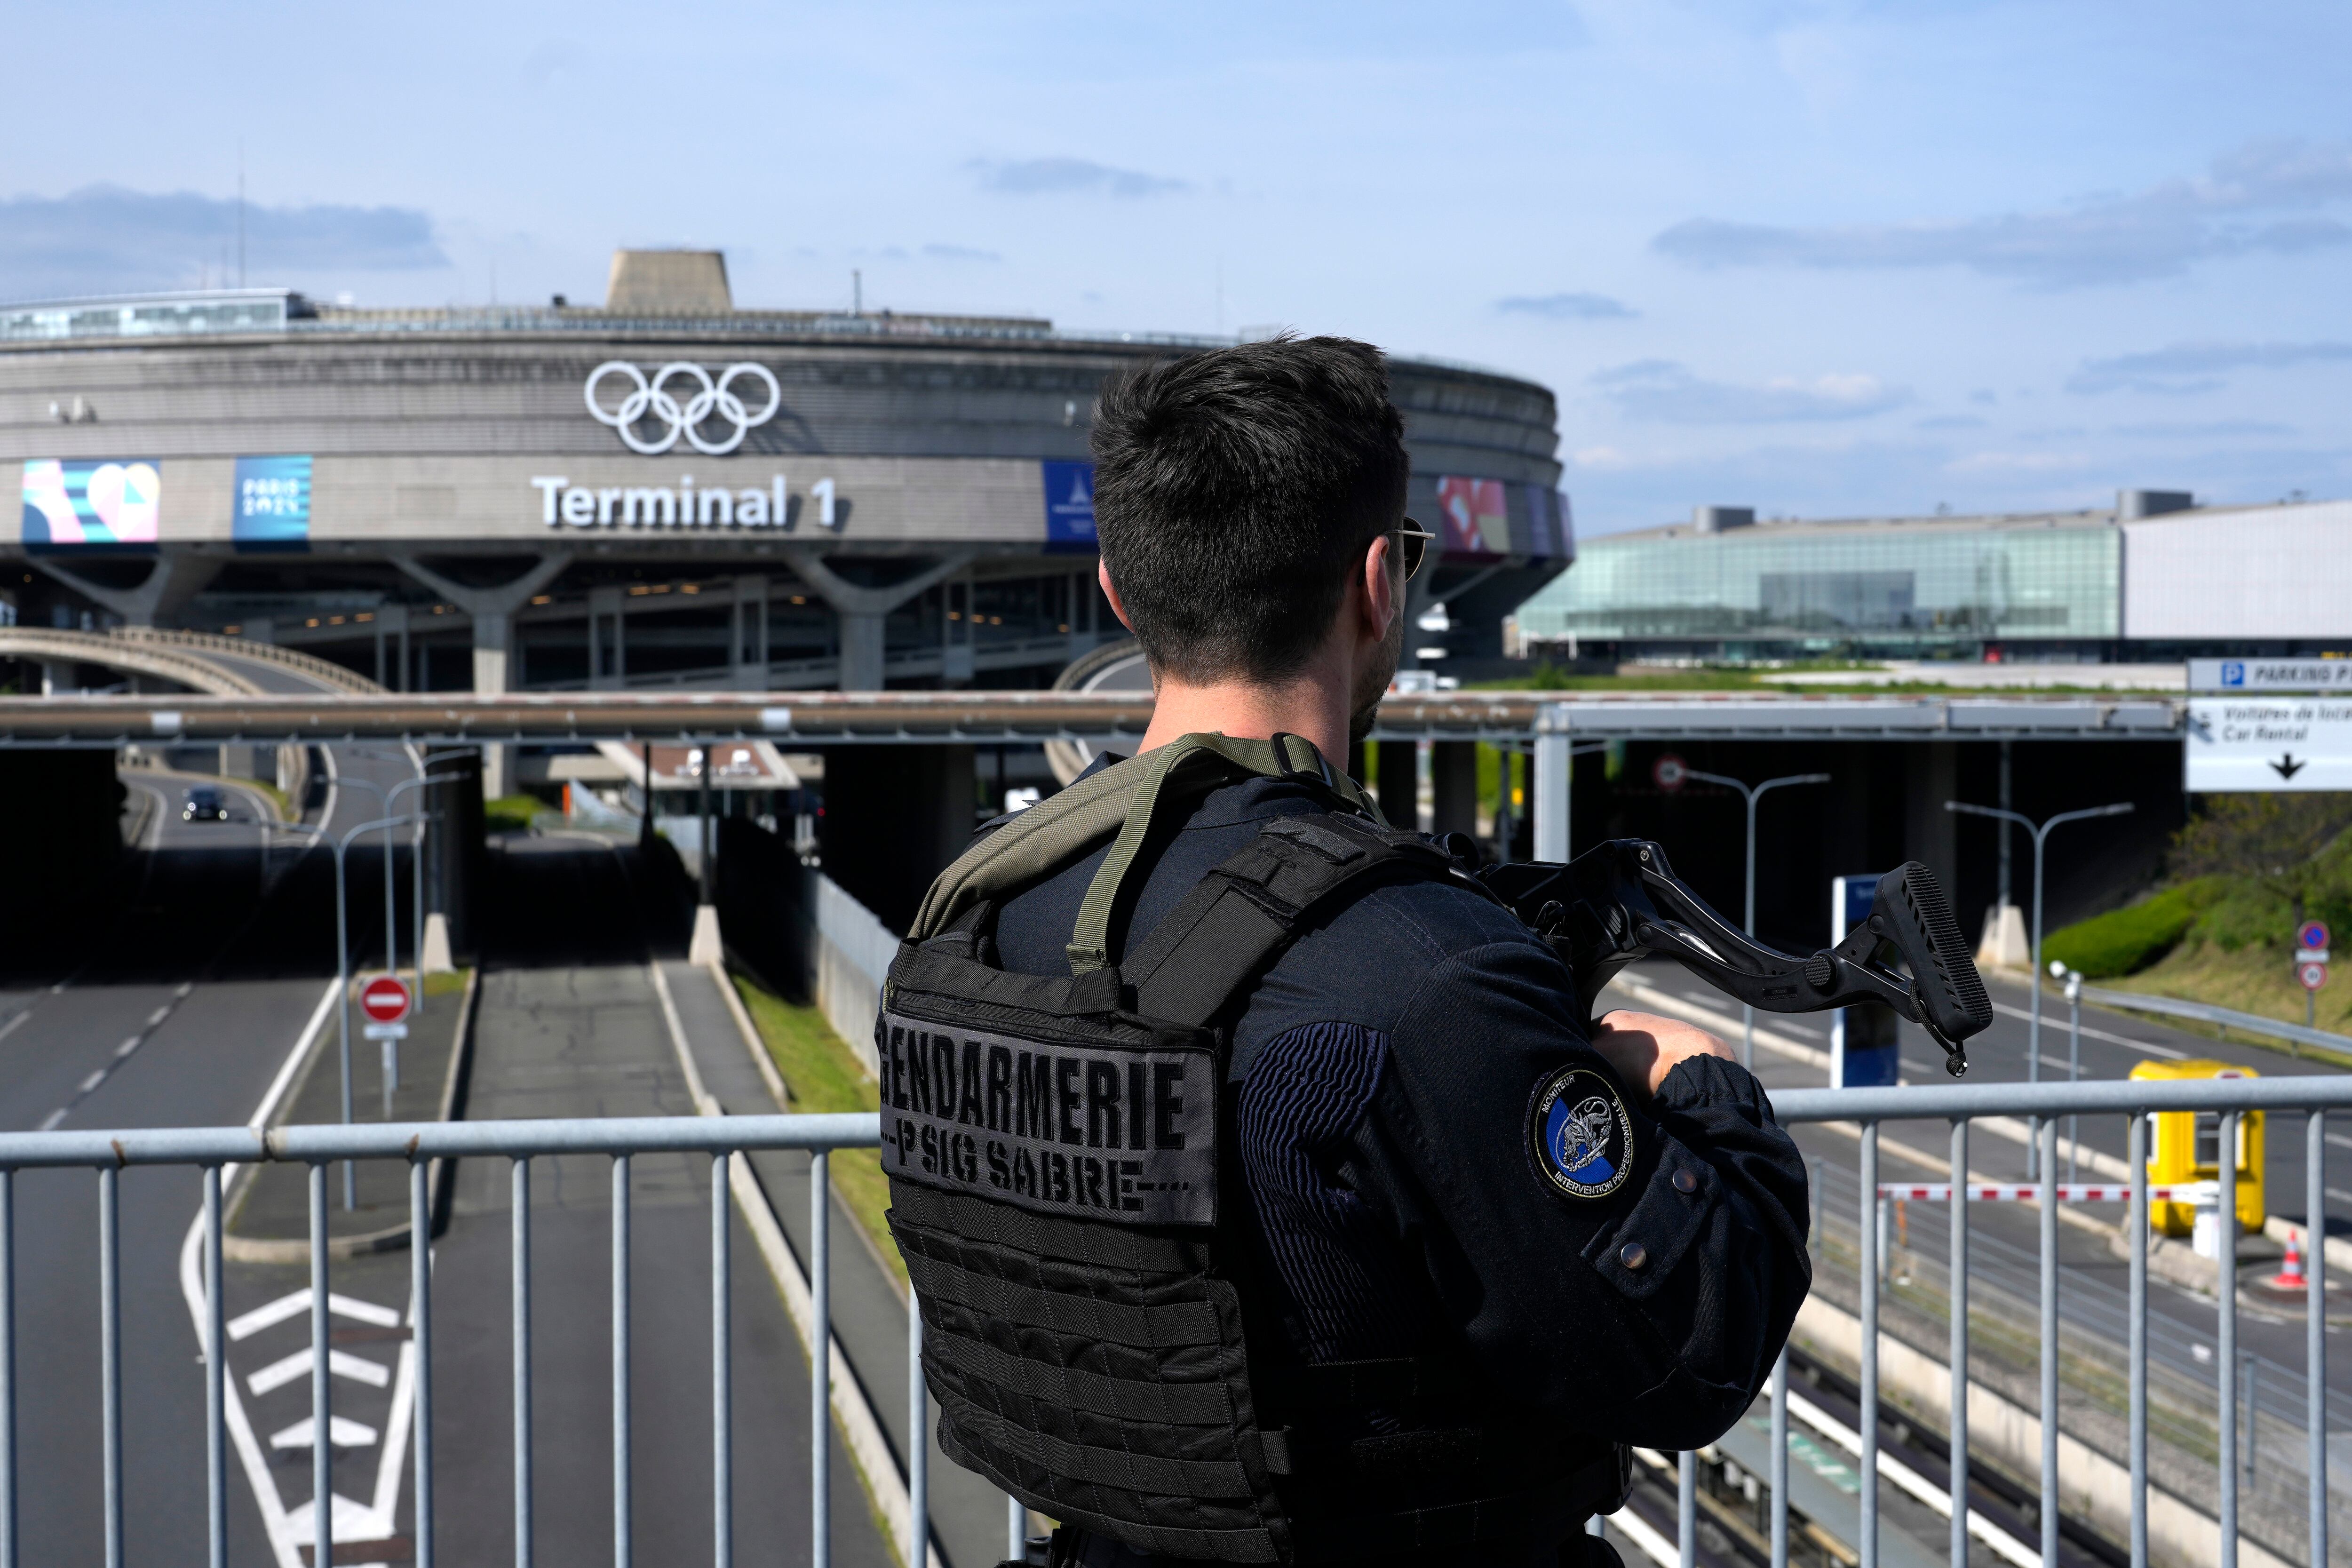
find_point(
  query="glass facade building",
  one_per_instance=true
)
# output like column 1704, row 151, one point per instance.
column 1914, row 584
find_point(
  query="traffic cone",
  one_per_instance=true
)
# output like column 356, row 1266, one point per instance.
column 2290, row 1275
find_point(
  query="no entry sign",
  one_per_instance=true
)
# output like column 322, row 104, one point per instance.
column 385, row 999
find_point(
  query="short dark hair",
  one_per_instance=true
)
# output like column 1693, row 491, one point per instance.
column 1235, row 489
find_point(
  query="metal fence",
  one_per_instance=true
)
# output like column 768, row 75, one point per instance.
column 2006, row 1274
column 2004, row 1271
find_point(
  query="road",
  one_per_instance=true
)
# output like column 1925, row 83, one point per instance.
column 177, row 1008
column 570, row 1024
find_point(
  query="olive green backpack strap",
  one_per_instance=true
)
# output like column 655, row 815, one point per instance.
column 1121, row 800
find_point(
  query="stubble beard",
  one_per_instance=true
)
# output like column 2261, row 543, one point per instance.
column 1372, row 682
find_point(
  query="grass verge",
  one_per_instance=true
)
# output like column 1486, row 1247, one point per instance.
column 820, row 1073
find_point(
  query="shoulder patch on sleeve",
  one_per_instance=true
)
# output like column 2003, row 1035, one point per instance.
column 1578, row 1134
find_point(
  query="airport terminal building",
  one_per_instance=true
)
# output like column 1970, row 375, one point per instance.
column 2156, row 577
column 663, row 490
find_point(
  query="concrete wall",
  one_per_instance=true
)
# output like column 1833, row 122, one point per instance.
column 2256, row 574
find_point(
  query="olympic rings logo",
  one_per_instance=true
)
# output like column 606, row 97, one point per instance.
column 648, row 398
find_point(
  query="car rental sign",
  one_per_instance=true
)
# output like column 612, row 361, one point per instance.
column 2268, row 743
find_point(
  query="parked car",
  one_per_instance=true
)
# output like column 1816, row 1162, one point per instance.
column 205, row 805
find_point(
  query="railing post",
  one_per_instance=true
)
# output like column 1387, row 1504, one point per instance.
column 322, row 1411
column 7, row 1368
column 110, row 1329
column 420, row 1334
column 1686, row 1508
column 820, row 1367
column 918, row 1442
column 2225, row 1348
column 1866, row 1418
column 1959, row 1294
column 215, row 1358
column 2047, row 1136
column 1779, row 1476
column 2136, row 1153
column 722, row 1370
column 624, row 1550
column 2315, row 1344
column 1551, row 781
column 520, row 1204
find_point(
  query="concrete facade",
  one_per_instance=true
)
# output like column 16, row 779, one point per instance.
column 474, row 522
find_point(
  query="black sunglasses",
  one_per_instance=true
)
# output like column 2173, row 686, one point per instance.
column 1413, row 541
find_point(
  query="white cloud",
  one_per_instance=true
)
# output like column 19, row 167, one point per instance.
column 1667, row 393
column 2184, row 368
column 2263, row 197
column 1567, row 307
column 1060, row 176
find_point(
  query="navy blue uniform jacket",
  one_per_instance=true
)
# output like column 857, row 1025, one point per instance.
column 1384, row 1070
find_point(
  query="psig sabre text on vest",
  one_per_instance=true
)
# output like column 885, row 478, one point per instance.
column 1111, row 1132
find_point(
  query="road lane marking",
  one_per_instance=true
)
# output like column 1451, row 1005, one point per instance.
column 93, row 1081
column 2091, row 1033
column 284, row 1542
column 126, row 1047
column 246, row 1324
column 49, row 1122
column 341, row 1363
column 159, row 1014
column 341, row 1433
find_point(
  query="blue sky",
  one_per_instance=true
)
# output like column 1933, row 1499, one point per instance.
column 1816, row 258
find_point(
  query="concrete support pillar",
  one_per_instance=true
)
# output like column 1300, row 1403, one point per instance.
column 1398, row 785
column 608, row 642
column 493, row 648
column 863, row 610
column 1454, row 779
column 894, row 818
column 492, row 610
column 1931, row 777
column 862, row 650
column 748, row 634
column 957, row 658
column 177, row 577
column 1549, row 781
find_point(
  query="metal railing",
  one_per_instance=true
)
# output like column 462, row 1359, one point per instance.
column 2000, row 1269
column 219, row 1152
column 2133, row 1100
column 2226, row 1017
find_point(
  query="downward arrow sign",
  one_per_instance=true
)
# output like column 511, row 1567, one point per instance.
column 2287, row 767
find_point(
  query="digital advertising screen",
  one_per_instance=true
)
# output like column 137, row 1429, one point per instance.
column 272, row 506
column 1477, row 517
column 1070, row 506
column 92, row 503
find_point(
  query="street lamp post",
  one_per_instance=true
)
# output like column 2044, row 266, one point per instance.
column 2071, row 979
column 1749, row 793
column 2040, row 832
column 343, row 982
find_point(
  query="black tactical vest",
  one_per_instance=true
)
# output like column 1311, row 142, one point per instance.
column 1069, row 1210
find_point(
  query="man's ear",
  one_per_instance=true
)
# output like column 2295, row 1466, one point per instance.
column 1102, row 576
column 1383, row 592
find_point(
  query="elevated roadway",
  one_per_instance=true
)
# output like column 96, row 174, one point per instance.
column 998, row 717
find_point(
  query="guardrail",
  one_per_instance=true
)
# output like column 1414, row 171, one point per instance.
column 218, row 1151
column 2228, row 1017
column 1960, row 1105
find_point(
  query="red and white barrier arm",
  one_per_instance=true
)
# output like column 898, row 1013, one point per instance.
column 2067, row 1192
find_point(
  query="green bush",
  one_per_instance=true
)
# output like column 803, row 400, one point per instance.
column 510, row 814
column 2124, row 941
